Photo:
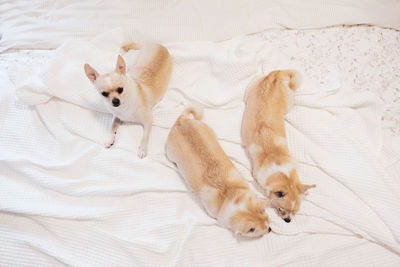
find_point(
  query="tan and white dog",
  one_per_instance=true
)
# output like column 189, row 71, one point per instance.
column 223, row 191
column 264, row 137
column 131, row 95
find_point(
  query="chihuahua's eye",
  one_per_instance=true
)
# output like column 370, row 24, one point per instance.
column 120, row 90
column 105, row 94
column 252, row 229
column 279, row 194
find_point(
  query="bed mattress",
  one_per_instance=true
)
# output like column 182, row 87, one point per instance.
column 66, row 200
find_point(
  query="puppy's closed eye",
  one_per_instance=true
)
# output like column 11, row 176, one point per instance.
column 252, row 229
column 105, row 94
column 279, row 194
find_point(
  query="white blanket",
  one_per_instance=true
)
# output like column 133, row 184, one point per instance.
column 45, row 24
column 65, row 199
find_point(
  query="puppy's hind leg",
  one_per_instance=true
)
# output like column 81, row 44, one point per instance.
column 115, row 125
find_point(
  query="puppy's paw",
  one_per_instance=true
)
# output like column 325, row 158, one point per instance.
column 142, row 152
column 110, row 143
column 112, row 140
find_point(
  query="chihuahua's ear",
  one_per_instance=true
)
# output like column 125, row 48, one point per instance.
column 304, row 187
column 121, row 66
column 263, row 204
column 91, row 73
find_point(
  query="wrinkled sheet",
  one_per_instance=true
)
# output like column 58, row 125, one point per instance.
column 66, row 200
column 46, row 24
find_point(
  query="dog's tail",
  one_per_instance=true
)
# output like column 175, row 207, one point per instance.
column 292, row 80
column 131, row 46
column 192, row 110
column 292, row 77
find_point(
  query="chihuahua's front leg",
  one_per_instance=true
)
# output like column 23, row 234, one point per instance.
column 145, row 139
column 115, row 124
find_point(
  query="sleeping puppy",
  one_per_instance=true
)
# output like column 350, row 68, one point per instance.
column 132, row 94
column 264, row 137
column 223, row 191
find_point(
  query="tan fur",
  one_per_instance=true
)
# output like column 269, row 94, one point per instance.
column 131, row 46
column 155, row 73
column 143, row 87
column 193, row 146
column 264, row 137
column 142, row 95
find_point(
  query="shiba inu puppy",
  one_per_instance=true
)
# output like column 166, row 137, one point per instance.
column 223, row 191
column 131, row 95
column 264, row 137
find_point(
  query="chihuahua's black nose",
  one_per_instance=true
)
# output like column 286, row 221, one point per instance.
column 287, row 219
column 115, row 102
column 269, row 229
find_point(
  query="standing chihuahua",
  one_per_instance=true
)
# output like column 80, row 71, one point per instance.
column 132, row 95
column 264, row 137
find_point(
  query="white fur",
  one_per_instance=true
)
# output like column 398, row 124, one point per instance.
column 263, row 173
column 267, row 190
column 97, row 84
column 254, row 150
column 131, row 108
column 108, row 82
column 207, row 195
column 229, row 210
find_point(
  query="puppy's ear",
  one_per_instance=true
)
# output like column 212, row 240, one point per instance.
column 121, row 66
column 304, row 187
column 91, row 73
column 262, row 204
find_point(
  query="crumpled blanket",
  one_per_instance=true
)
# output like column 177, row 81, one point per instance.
column 66, row 200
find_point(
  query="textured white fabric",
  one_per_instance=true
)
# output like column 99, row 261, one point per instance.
column 45, row 24
column 67, row 200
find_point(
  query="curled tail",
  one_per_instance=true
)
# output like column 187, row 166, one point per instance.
column 292, row 80
column 130, row 46
column 195, row 111
column 292, row 77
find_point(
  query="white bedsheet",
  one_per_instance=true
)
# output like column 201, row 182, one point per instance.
column 67, row 200
column 45, row 24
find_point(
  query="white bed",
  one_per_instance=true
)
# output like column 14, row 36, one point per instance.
column 66, row 200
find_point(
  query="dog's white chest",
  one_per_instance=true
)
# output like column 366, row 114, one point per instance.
column 131, row 108
column 128, row 112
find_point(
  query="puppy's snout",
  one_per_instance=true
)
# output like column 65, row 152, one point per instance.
column 115, row 102
column 269, row 229
column 287, row 219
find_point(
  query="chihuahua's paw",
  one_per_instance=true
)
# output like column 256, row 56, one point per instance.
column 109, row 144
column 142, row 152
